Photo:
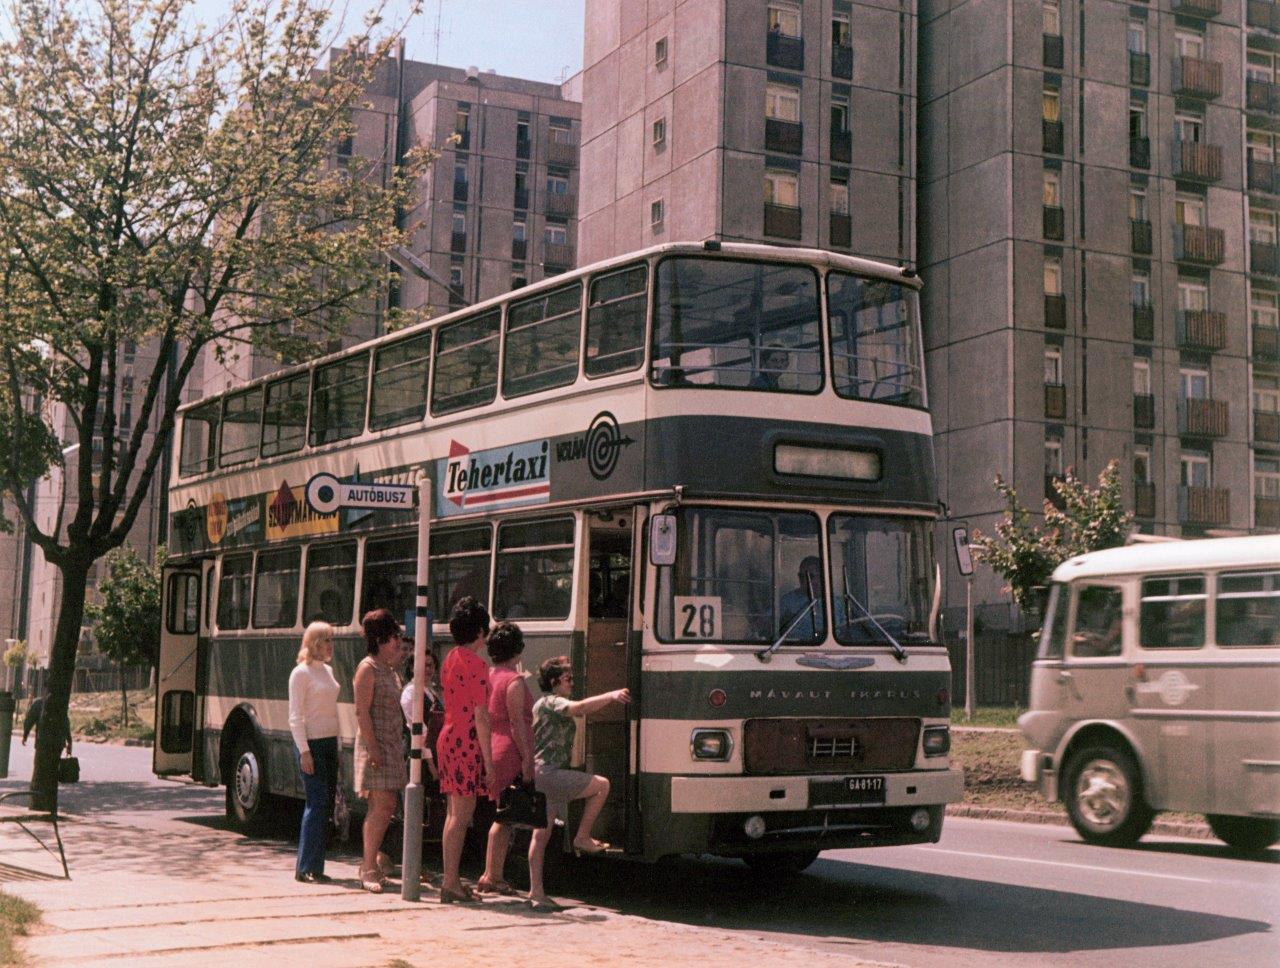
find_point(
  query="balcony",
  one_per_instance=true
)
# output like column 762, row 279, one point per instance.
column 1144, row 499
column 1140, row 152
column 782, row 221
column 1144, row 322
column 1140, row 236
column 1197, row 161
column 1266, row 427
column 458, row 242
column 1198, row 243
column 519, row 250
column 1193, row 77
column 1266, row 344
column 1204, row 506
column 557, row 253
column 1055, row 401
column 1264, row 258
column 1051, row 137
column 521, row 199
column 1262, row 96
column 561, row 205
column 1055, row 310
column 784, row 51
column 784, row 136
column 1052, row 50
column 841, row 146
column 563, row 153
column 1263, row 177
column 1263, row 14
column 1139, row 68
column 460, row 191
column 1204, row 9
column 1202, row 329
column 1144, row 411
column 1266, row 512
column 842, row 62
column 841, row 230
column 1203, row 417
column 1053, row 222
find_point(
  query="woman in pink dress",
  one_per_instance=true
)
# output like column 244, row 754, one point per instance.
column 463, row 750
column 511, row 725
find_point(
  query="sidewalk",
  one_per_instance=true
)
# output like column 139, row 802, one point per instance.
column 208, row 897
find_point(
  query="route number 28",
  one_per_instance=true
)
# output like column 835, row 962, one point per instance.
column 698, row 617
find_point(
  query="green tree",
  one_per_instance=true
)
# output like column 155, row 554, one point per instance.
column 126, row 617
column 1025, row 553
column 163, row 185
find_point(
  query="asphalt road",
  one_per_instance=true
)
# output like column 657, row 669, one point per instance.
column 990, row 893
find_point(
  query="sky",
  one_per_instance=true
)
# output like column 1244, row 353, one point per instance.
column 536, row 39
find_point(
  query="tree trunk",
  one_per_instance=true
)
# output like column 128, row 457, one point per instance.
column 124, row 699
column 51, row 738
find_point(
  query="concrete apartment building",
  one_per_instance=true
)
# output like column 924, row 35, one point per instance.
column 1098, row 243
column 745, row 120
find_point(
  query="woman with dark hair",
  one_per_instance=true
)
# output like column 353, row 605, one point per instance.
column 379, row 757
column 463, row 749
column 553, row 733
column 511, row 726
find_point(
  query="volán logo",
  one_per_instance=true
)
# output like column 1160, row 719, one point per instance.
column 501, row 476
column 600, row 445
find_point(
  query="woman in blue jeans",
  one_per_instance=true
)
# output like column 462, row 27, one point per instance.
column 313, row 720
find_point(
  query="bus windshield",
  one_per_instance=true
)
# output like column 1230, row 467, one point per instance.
column 874, row 349
column 881, row 578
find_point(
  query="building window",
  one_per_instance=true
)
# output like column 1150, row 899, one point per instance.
column 659, row 132
column 1137, row 35
column 1053, row 365
column 1266, row 478
column 459, row 223
column 1195, row 469
column 1188, row 210
column 519, row 230
column 519, row 282
column 782, row 103
column 1051, row 104
column 1051, row 12
column 781, row 188
column 1137, row 119
column 1141, row 376
column 1262, row 226
column 660, row 52
column 1193, row 383
column 555, row 234
column 1189, row 43
column 561, row 130
column 557, row 184
column 839, row 196
column 1266, row 394
column 656, row 215
column 784, row 19
column 1052, row 188
column 1188, row 126
column 1261, row 67
column 1261, row 146
column 1140, row 288
column 1138, row 204
column 841, row 36
column 1052, row 275
column 462, row 120
column 1193, row 295
column 1141, row 465
column 1052, row 457
column 1264, row 310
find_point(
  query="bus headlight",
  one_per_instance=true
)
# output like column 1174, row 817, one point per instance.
column 937, row 740
column 711, row 744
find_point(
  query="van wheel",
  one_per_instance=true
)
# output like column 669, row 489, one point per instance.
column 1248, row 835
column 1104, row 799
column 780, row 865
column 246, row 785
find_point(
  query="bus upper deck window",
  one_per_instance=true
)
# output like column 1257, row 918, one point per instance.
column 200, row 438
column 338, row 398
column 743, row 325
column 874, row 349
column 284, row 415
column 241, row 426
column 615, row 321
column 543, row 334
column 466, row 368
column 400, row 382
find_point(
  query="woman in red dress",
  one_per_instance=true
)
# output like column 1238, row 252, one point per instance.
column 463, row 749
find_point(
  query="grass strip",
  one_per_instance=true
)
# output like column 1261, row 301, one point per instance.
column 16, row 915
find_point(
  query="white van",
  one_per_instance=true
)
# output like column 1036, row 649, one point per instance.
column 1157, row 687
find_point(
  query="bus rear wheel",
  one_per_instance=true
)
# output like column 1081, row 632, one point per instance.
column 1103, row 796
column 783, row 864
column 246, row 785
column 1248, row 835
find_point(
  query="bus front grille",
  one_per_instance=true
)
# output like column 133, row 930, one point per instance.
column 772, row 746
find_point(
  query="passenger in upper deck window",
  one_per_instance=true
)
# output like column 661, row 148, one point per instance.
column 773, row 364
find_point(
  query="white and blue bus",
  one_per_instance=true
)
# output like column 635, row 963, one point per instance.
column 703, row 471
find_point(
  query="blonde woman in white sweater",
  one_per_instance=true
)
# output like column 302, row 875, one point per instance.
column 313, row 720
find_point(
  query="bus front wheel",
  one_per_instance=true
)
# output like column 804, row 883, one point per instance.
column 1103, row 796
column 782, row 864
column 1248, row 835
column 246, row 784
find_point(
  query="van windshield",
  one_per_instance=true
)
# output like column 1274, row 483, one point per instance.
column 1053, row 635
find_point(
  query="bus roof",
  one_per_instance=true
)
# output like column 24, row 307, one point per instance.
column 1173, row 556
column 744, row 250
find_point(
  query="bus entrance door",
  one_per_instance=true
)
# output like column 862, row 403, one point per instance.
column 176, row 672
column 606, row 664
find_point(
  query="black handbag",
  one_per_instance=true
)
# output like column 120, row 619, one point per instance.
column 68, row 770
column 522, row 806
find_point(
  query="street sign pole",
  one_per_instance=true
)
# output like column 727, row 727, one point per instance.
column 414, row 795
column 964, row 561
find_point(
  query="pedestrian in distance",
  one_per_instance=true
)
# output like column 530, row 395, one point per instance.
column 553, row 736
column 32, row 722
column 511, row 728
column 313, row 721
column 463, row 750
column 380, row 771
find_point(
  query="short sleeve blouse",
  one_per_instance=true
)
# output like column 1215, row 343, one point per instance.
column 553, row 732
column 465, row 679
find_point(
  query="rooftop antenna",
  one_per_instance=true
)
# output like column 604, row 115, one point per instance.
column 439, row 15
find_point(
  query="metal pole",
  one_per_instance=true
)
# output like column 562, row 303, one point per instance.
column 968, row 650
column 414, row 795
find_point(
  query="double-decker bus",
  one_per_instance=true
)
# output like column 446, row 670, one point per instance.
column 702, row 471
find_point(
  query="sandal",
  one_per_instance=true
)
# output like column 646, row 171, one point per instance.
column 592, row 847
column 371, row 880
column 465, row 896
column 486, row 886
column 545, row 905
column 386, row 866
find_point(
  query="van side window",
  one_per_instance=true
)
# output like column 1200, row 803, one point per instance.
column 1053, row 637
column 1249, row 609
column 1172, row 613
column 1098, row 622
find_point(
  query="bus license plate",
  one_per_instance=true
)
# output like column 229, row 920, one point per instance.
column 865, row 789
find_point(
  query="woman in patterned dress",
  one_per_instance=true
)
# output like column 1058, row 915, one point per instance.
column 379, row 756
column 463, row 750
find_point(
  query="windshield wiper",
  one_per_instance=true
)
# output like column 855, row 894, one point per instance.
column 898, row 650
column 766, row 654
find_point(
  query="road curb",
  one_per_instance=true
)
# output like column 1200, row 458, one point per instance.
column 1166, row 828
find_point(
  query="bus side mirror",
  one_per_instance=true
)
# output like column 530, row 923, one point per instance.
column 662, row 539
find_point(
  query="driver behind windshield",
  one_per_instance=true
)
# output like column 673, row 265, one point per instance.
column 809, row 589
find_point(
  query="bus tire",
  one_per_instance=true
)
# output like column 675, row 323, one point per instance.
column 1245, row 835
column 247, row 798
column 784, row 864
column 1104, row 797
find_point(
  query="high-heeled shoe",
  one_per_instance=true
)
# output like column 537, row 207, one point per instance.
column 594, row 847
